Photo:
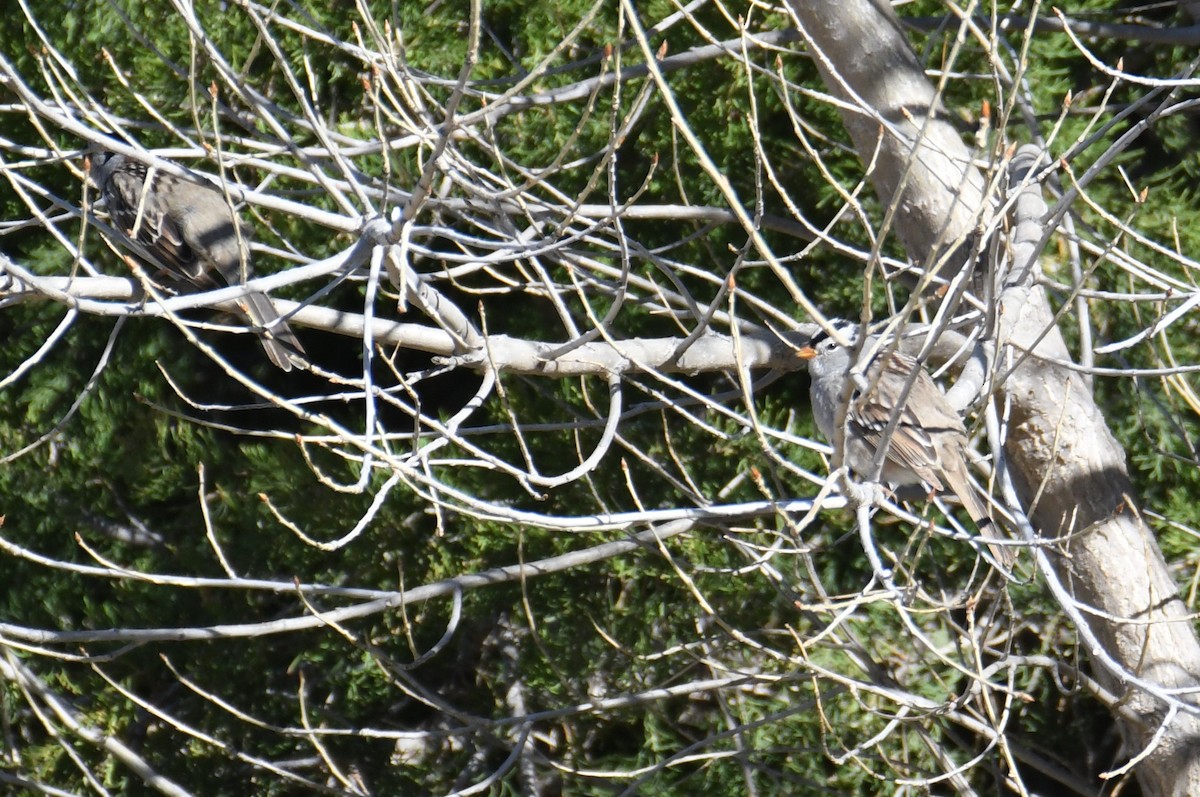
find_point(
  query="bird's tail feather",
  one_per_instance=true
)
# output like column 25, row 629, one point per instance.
column 960, row 484
column 278, row 340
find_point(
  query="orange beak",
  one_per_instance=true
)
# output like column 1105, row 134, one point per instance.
column 806, row 353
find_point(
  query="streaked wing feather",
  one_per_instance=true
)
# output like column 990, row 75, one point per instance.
column 912, row 444
column 156, row 232
column 190, row 234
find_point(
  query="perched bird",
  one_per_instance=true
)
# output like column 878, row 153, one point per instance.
column 928, row 444
column 188, row 228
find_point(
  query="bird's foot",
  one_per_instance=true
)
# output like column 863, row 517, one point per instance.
column 864, row 493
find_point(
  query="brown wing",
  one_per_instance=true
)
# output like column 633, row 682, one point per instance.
column 929, row 440
column 186, row 228
column 924, row 418
column 140, row 216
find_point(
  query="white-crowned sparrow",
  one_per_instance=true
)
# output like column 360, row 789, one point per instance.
column 189, row 229
column 929, row 441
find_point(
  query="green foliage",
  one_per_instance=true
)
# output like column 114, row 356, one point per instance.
column 117, row 470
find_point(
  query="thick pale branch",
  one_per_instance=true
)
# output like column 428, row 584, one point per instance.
column 117, row 296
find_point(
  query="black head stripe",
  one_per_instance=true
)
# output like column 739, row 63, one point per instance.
column 840, row 324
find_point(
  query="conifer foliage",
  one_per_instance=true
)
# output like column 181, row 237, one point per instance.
column 544, row 510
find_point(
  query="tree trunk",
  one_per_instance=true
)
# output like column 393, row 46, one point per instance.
column 1059, row 448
